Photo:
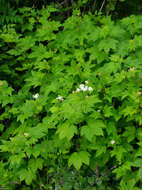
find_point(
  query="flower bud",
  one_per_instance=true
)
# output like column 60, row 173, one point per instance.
column 112, row 142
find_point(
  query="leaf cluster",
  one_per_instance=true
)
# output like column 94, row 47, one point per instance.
column 45, row 120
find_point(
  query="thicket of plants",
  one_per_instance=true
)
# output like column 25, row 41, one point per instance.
column 70, row 101
column 116, row 8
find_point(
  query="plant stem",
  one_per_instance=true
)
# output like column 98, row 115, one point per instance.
column 102, row 5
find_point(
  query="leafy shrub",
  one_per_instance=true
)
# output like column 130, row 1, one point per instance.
column 70, row 94
column 116, row 8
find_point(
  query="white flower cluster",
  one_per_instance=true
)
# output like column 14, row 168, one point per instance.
column 26, row 134
column 60, row 98
column 36, row 96
column 83, row 87
column 132, row 69
column 112, row 142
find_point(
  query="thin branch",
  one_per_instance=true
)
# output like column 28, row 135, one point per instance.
column 105, row 173
column 64, row 2
column 94, row 5
column 102, row 5
column 72, row 4
column 109, row 8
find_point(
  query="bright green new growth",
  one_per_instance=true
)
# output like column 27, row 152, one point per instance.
column 45, row 119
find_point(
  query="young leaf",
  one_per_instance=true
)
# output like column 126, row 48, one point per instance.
column 78, row 158
column 94, row 127
column 66, row 130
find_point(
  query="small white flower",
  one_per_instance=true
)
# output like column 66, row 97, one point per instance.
column 139, row 93
column 26, row 134
column 81, row 86
column 85, row 88
column 112, row 142
column 60, row 98
column 90, row 88
column 132, row 69
column 78, row 90
column 99, row 111
column 86, row 82
column 36, row 96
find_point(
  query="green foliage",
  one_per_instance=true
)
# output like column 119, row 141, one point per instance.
column 116, row 8
column 70, row 97
column 78, row 158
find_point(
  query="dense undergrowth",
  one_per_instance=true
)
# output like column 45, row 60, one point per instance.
column 116, row 8
column 70, row 102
